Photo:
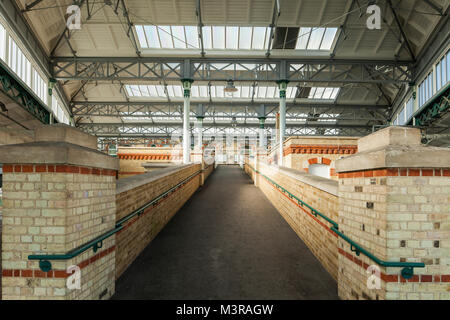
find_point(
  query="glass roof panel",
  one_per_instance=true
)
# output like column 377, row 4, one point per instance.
column 165, row 35
column 316, row 38
column 207, row 42
column 152, row 37
column 328, row 38
column 259, row 34
column 218, row 35
column 141, row 36
column 303, row 38
column 245, row 38
column 192, row 37
column 179, row 38
column 232, row 38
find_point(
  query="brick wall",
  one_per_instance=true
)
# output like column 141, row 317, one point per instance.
column 134, row 192
column 53, row 209
column 319, row 193
column 132, row 158
column 399, row 215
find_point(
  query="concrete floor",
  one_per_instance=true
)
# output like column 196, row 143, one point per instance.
column 227, row 242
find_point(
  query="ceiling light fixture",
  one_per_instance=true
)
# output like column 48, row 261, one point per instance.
column 230, row 88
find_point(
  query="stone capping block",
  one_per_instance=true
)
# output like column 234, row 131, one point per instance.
column 393, row 135
column 56, row 153
column 129, row 183
column 65, row 133
column 328, row 185
column 396, row 156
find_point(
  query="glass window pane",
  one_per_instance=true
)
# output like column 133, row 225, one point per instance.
column 192, row 37
column 232, row 37
column 327, row 93
column 316, row 38
column 245, row 37
column 165, row 35
column 207, row 42
column 218, row 38
column 259, row 34
column 179, row 39
column 152, row 37
column 141, row 36
column 328, row 38
column 335, row 93
column 303, row 38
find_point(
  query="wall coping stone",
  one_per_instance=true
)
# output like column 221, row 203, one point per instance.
column 328, row 185
column 396, row 156
column 56, row 153
column 392, row 135
column 64, row 133
column 129, row 183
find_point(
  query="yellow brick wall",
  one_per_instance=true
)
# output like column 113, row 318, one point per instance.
column 409, row 222
column 320, row 240
column 54, row 212
column 141, row 230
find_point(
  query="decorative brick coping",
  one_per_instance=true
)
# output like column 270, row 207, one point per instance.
column 39, row 168
column 137, row 156
column 395, row 277
column 29, row 273
column 320, row 149
column 157, row 203
column 396, row 172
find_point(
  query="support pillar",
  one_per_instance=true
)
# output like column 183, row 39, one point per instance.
column 186, row 115
column 282, row 85
column 392, row 197
column 58, row 194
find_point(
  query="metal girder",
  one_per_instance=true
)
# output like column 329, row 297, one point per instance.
column 90, row 108
column 220, row 112
column 167, row 129
column 252, row 70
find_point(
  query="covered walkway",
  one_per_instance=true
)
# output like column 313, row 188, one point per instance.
column 227, row 242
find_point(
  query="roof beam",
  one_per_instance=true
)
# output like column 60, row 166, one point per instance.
column 405, row 39
column 223, row 69
column 435, row 7
column 198, row 12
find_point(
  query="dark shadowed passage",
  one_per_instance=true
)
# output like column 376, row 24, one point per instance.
column 227, row 242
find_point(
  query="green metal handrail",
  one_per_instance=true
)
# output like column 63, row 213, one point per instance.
column 96, row 243
column 408, row 267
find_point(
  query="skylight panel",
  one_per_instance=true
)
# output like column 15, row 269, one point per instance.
column 245, row 92
column 218, row 37
column 259, row 35
column 245, row 38
column 191, row 37
column 290, row 92
column 179, row 38
column 262, row 92
column 271, row 92
column 141, row 37
column 144, row 91
column 316, row 38
column 323, row 93
column 327, row 93
column 152, row 37
column 232, row 37
column 207, row 41
column 303, row 38
column 328, row 38
column 165, row 35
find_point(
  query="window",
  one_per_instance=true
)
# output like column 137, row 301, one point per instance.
column 442, row 72
column 323, row 93
column 315, row 38
column 409, row 108
column 401, row 117
column 39, row 86
column 19, row 63
column 2, row 43
column 426, row 89
column 58, row 111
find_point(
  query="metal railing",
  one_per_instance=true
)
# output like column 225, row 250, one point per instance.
column 96, row 243
column 408, row 267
